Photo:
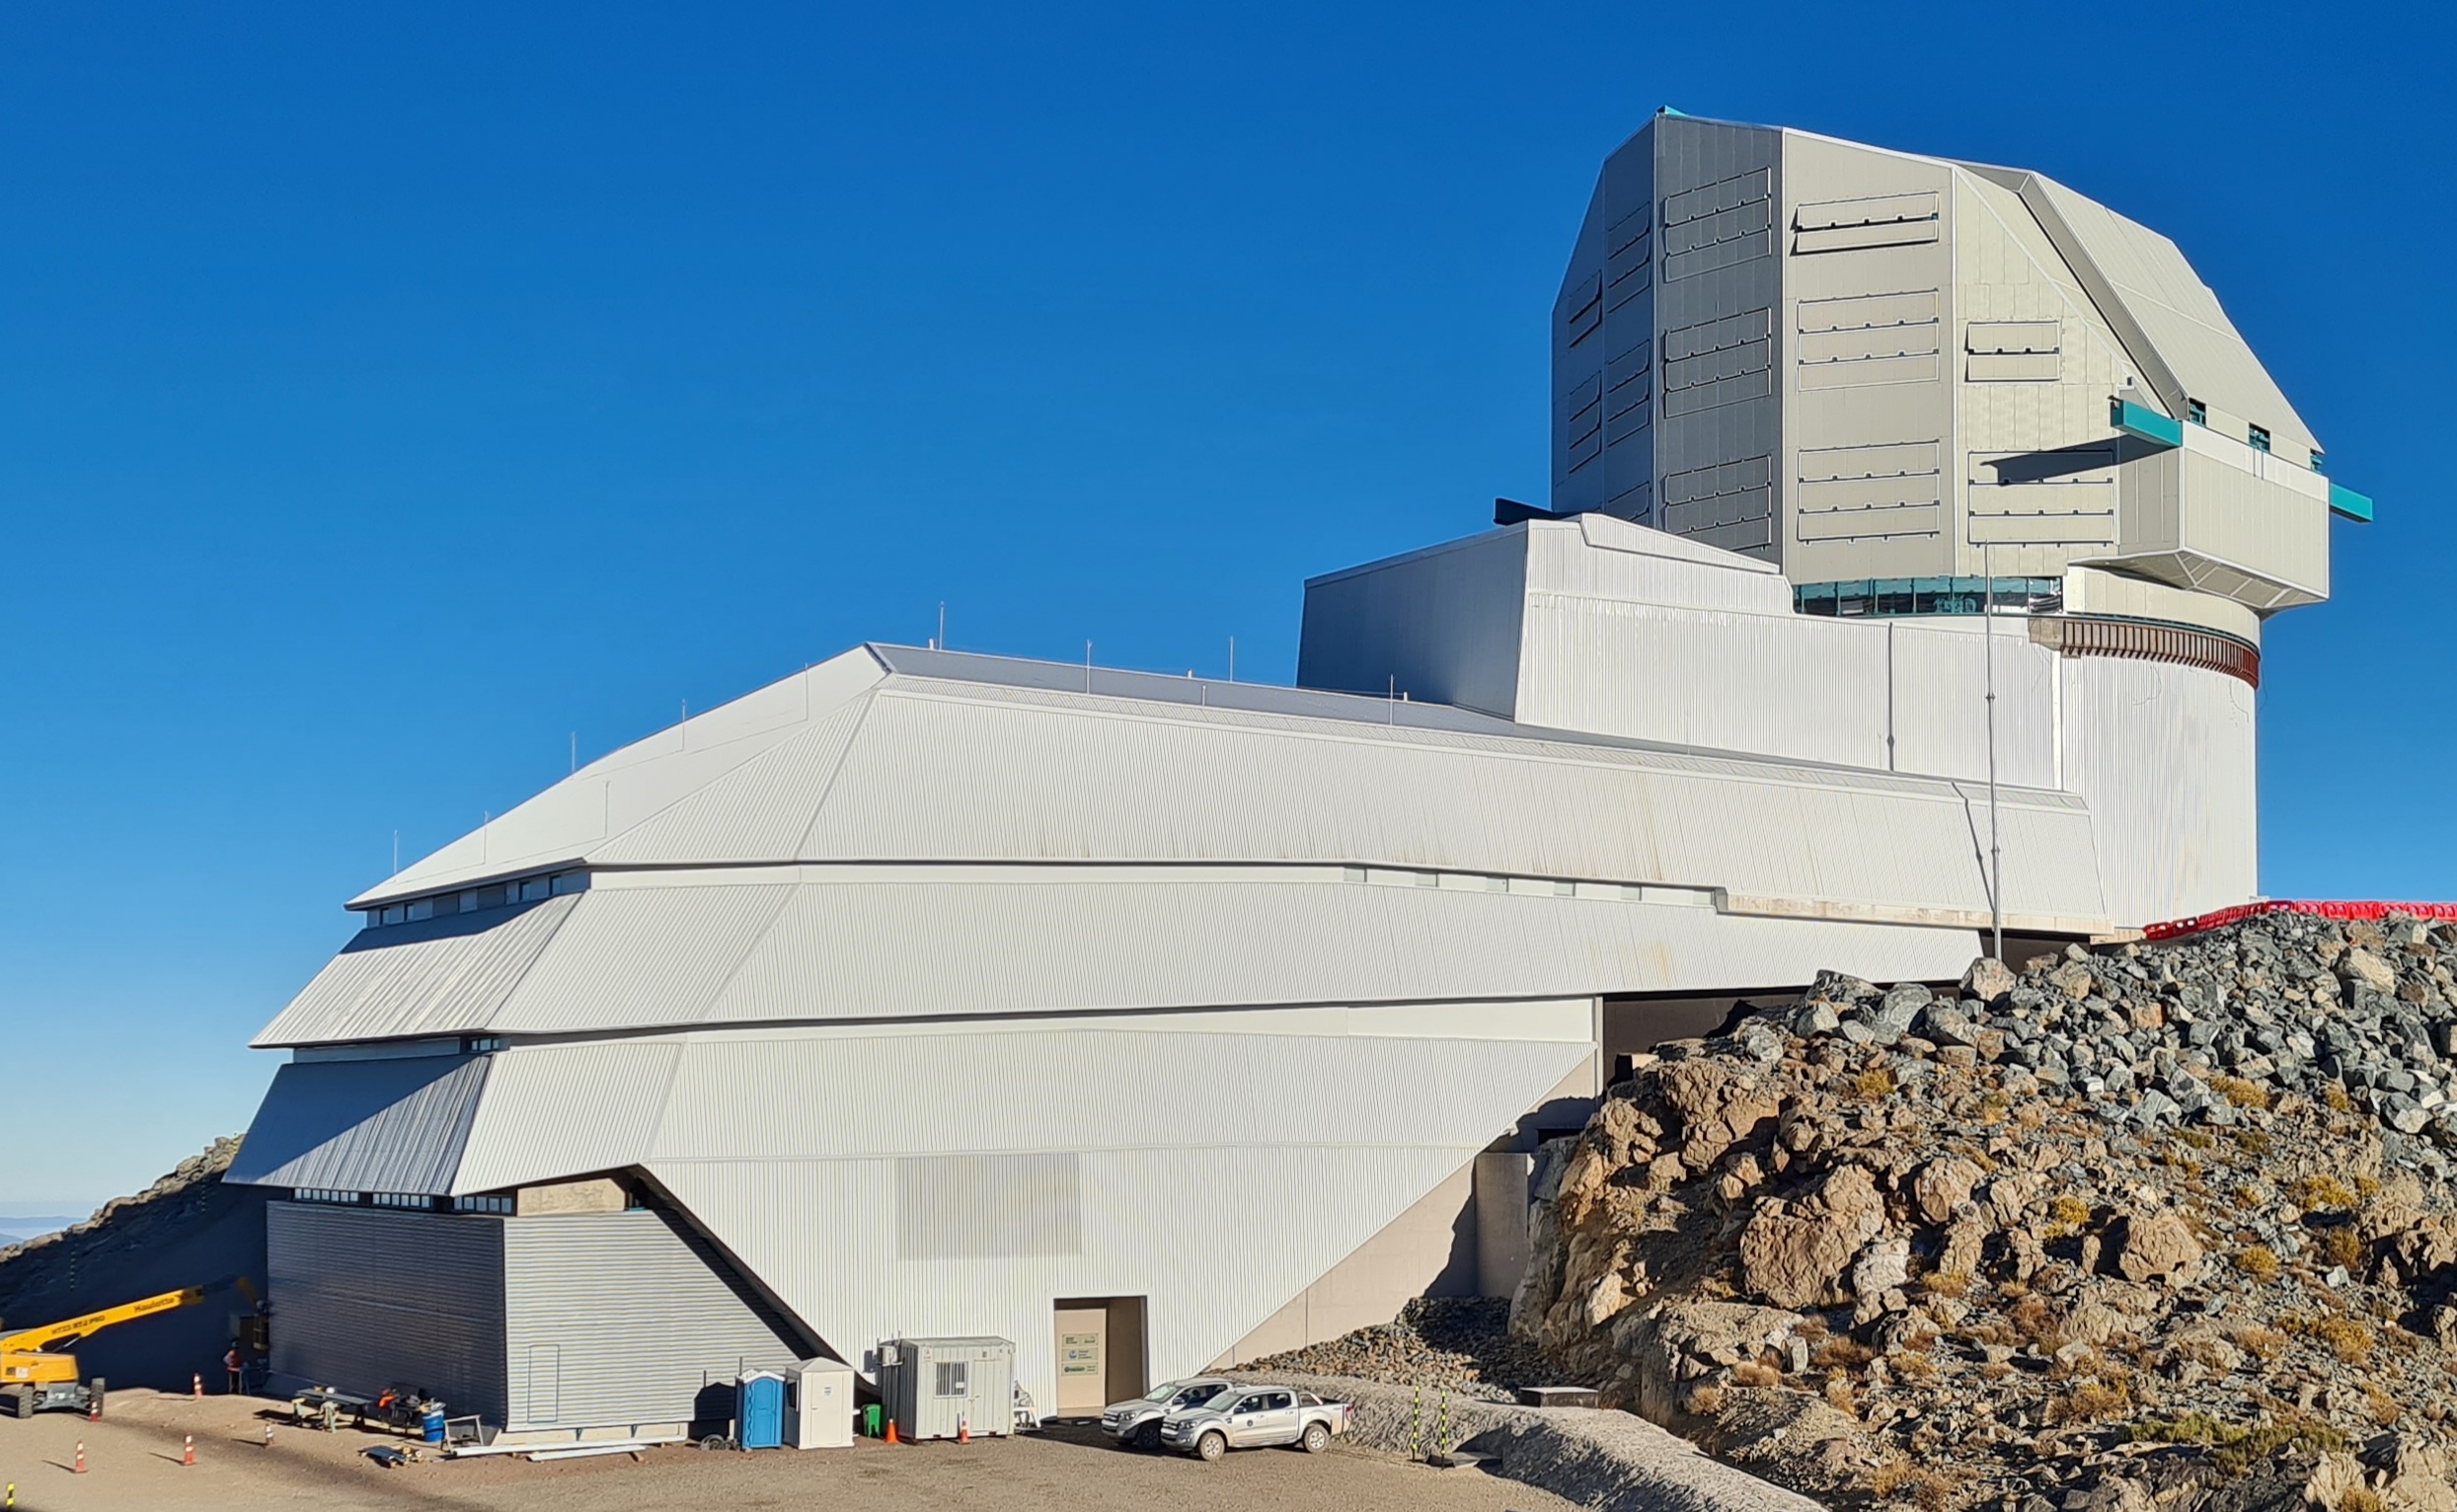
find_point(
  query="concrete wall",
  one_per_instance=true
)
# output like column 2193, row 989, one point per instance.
column 1501, row 1246
column 1428, row 1250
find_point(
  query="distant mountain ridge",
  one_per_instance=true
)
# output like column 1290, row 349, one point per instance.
column 15, row 1230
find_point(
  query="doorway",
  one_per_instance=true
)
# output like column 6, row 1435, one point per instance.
column 1099, row 1353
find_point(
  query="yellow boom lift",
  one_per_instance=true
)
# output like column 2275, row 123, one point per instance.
column 36, row 1376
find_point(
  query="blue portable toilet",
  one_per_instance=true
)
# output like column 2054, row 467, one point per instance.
column 759, row 1410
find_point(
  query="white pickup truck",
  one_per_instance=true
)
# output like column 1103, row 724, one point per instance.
column 1255, row 1417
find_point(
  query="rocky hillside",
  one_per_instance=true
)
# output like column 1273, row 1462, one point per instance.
column 187, row 1228
column 2159, row 1226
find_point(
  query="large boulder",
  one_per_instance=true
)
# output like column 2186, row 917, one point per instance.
column 2361, row 968
column 1718, row 1108
column 1990, row 980
column 1943, row 1185
column 2151, row 1247
column 1677, row 1344
column 1795, row 1253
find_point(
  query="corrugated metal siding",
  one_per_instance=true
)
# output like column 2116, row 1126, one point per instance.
column 2175, row 845
column 1026, row 777
column 612, row 795
column 1080, row 1089
column 850, row 950
column 758, row 812
column 2175, row 310
column 644, row 955
column 807, row 1157
column 372, row 1125
column 1440, row 625
column 445, row 975
column 1600, row 557
column 1795, row 688
column 615, row 1319
column 566, row 1110
column 1941, row 711
column 365, row 1299
column 1216, row 1244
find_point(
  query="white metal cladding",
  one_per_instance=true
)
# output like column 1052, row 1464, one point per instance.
column 364, row 1126
column 1188, row 1147
column 562, row 1111
column 678, row 955
column 566, row 1110
column 1938, row 701
column 1439, row 624
column 1217, row 1241
column 758, row 812
column 610, row 796
column 963, row 773
column 369, row 1299
column 2187, row 843
column 1599, row 556
column 1802, row 689
column 1217, row 1173
column 618, row 1318
column 2172, row 307
column 385, row 981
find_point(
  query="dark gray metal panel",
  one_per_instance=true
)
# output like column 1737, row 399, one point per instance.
column 1440, row 625
column 1717, row 294
column 365, row 1298
column 634, row 1315
column 1603, row 339
column 387, row 1125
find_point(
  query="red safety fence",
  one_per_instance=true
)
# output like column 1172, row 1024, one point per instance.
column 2176, row 928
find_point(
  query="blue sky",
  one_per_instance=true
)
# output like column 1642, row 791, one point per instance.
column 389, row 394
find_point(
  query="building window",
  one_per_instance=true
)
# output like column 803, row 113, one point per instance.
column 2196, row 412
column 1891, row 596
column 489, row 1203
column 952, row 1380
column 324, row 1194
column 2259, row 436
column 416, row 1201
column 483, row 1044
column 470, row 900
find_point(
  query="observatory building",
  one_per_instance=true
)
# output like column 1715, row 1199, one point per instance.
column 1154, row 1022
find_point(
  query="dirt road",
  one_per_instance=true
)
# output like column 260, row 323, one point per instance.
column 132, row 1461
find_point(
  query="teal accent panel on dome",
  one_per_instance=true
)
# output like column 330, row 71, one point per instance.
column 2144, row 422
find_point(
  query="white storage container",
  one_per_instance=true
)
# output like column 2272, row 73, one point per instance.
column 937, row 1388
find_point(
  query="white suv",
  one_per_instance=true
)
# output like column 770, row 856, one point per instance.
column 1254, row 1418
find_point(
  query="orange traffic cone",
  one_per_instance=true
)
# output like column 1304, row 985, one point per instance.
column 195, row 1386
column 92, row 1409
column 964, row 1429
column 80, row 1456
column 188, row 1451
column 891, row 1438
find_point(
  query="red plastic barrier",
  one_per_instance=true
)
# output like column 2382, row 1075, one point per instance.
column 2176, row 928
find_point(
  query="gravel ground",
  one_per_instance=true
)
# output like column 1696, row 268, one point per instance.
column 1608, row 1461
column 1457, row 1345
column 133, row 1462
